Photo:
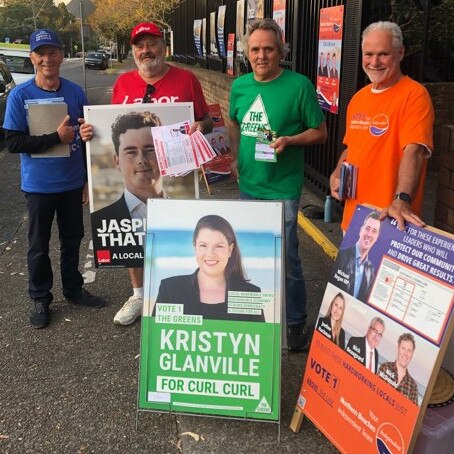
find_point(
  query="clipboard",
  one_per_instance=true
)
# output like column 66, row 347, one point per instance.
column 45, row 119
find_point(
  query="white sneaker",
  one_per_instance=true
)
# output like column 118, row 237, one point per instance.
column 130, row 311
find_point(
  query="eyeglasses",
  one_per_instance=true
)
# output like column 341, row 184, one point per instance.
column 148, row 92
column 376, row 332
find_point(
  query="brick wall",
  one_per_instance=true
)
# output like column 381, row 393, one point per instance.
column 216, row 86
column 444, row 207
column 442, row 95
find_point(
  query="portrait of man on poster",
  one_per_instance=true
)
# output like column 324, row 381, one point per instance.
column 135, row 158
column 364, row 349
column 353, row 272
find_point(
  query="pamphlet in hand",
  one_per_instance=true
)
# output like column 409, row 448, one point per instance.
column 44, row 117
column 179, row 152
column 348, row 178
column 263, row 150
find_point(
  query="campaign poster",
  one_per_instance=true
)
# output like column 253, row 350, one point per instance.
column 279, row 15
column 375, row 351
column 220, row 30
column 204, row 34
column 255, row 10
column 220, row 167
column 211, row 323
column 213, row 44
column 239, row 29
column 230, row 53
column 329, row 57
column 198, row 36
column 120, row 183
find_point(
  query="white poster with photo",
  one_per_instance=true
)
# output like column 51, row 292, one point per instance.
column 123, row 172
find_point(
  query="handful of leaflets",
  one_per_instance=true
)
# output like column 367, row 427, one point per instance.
column 348, row 178
column 263, row 151
column 179, row 152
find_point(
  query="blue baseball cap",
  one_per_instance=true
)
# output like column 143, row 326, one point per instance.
column 44, row 38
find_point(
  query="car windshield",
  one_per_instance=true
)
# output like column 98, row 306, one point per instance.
column 17, row 64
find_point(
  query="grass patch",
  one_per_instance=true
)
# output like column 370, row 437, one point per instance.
column 115, row 68
column 15, row 46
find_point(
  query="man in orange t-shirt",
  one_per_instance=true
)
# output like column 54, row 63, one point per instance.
column 389, row 133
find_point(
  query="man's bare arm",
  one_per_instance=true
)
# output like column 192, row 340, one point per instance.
column 234, row 136
column 409, row 173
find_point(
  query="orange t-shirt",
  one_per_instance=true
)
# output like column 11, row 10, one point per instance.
column 379, row 127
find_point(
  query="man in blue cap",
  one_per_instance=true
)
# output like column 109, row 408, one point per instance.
column 54, row 185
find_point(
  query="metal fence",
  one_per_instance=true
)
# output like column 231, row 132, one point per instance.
column 428, row 39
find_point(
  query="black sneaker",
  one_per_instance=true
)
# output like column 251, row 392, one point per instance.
column 39, row 315
column 85, row 298
column 299, row 337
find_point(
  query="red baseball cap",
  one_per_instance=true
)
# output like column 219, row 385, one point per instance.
column 145, row 28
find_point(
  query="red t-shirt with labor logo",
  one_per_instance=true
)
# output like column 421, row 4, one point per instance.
column 178, row 85
column 379, row 126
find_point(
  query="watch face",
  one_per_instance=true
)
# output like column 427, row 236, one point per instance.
column 403, row 196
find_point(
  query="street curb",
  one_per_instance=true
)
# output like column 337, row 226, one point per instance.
column 327, row 246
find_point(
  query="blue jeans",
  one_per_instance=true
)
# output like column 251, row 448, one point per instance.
column 295, row 286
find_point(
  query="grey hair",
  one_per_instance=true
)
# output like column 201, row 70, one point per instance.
column 266, row 24
column 377, row 320
column 385, row 26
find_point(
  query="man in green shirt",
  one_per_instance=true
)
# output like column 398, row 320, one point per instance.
column 283, row 102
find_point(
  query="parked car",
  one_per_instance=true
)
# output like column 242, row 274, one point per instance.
column 80, row 54
column 96, row 60
column 19, row 64
column 106, row 54
column 6, row 85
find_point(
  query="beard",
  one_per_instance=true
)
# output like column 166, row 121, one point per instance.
column 151, row 66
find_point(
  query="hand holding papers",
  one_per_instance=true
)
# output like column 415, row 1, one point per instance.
column 179, row 152
column 348, row 176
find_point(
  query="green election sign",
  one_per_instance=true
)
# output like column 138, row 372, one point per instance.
column 211, row 326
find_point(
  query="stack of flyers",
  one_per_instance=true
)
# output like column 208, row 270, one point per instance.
column 263, row 151
column 348, row 177
column 179, row 152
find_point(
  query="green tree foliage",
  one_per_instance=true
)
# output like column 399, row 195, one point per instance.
column 18, row 19
column 114, row 19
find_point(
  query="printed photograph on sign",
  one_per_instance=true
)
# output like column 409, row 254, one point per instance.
column 213, row 43
column 329, row 57
column 119, row 184
column 219, row 168
column 198, row 37
column 375, row 353
column 212, row 308
column 239, row 29
column 279, row 10
column 255, row 9
column 220, row 31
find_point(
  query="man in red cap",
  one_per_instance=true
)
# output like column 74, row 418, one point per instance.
column 155, row 81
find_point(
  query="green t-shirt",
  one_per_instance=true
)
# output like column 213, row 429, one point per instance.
column 287, row 105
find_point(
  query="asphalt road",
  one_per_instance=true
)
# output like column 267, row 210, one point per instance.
column 72, row 387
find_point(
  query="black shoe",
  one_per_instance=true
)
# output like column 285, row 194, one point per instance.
column 39, row 315
column 85, row 298
column 299, row 337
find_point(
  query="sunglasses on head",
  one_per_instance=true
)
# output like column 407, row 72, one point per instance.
column 148, row 92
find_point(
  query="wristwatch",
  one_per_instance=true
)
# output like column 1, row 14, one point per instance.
column 403, row 196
